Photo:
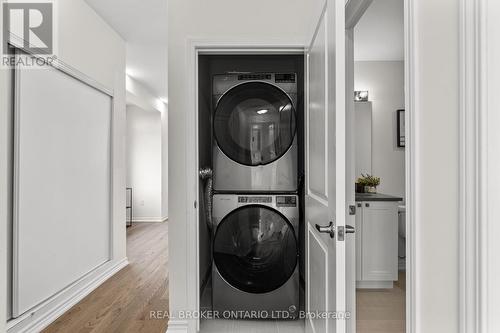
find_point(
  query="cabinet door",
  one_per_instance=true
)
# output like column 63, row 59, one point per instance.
column 358, row 234
column 379, row 242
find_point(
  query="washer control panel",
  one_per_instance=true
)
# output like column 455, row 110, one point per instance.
column 284, row 78
column 255, row 200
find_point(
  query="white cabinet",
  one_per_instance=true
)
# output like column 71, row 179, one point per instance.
column 376, row 244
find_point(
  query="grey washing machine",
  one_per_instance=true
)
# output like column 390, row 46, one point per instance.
column 255, row 126
column 255, row 256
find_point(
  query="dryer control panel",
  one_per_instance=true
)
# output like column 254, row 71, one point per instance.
column 286, row 201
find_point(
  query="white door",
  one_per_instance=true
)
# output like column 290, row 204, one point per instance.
column 325, row 205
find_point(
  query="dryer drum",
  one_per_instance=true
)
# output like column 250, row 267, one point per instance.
column 255, row 249
column 254, row 123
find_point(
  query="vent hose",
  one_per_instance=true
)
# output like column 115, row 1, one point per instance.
column 206, row 175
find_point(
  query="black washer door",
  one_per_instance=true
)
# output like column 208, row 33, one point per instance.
column 254, row 123
column 255, row 249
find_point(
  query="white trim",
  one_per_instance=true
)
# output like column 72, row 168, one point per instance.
column 354, row 10
column 67, row 69
column 178, row 326
column 473, row 168
column 482, row 310
column 468, row 167
column 195, row 47
column 43, row 315
column 412, row 155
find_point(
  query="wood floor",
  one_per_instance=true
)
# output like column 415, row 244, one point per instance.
column 382, row 311
column 125, row 301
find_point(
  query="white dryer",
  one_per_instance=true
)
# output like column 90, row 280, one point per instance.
column 255, row 255
column 254, row 126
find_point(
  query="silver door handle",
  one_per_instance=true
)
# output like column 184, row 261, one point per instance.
column 349, row 229
column 330, row 229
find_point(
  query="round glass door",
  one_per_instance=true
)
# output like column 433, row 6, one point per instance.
column 255, row 249
column 254, row 123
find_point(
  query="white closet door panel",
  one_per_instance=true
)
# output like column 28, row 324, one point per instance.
column 62, row 184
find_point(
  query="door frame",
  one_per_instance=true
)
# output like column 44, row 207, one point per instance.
column 477, row 213
column 197, row 47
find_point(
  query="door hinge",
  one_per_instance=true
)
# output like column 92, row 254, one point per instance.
column 195, row 204
column 352, row 210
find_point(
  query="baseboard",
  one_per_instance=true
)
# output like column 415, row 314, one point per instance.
column 177, row 326
column 46, row 313
column 149, row 219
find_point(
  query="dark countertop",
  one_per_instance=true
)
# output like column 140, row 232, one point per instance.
column 376, row 197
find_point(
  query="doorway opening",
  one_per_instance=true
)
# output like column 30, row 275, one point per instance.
column 376, row 41
column 251, row 170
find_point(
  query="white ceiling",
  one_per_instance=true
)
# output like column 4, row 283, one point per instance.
column 143, row 25
column 379, row 35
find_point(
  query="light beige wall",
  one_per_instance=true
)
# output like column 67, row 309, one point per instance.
column 437, row 165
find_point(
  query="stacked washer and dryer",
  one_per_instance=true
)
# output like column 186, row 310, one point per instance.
column 255, row 204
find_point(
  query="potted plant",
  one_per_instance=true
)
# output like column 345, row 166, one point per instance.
column 369, row 183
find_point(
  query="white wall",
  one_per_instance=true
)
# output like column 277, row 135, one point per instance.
column 384, row 81
column 88, row 44
column 140, row 96
column 228, row 20
column 144, row 163
column 437, row 164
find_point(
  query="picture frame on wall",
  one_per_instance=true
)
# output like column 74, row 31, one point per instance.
column 401, row 137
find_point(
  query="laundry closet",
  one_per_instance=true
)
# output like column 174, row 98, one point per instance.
column 251, row 197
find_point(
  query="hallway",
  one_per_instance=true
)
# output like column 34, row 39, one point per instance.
column 123, row 303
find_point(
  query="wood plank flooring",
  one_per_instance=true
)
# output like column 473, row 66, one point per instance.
column 123, row 303
column 382, row 310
